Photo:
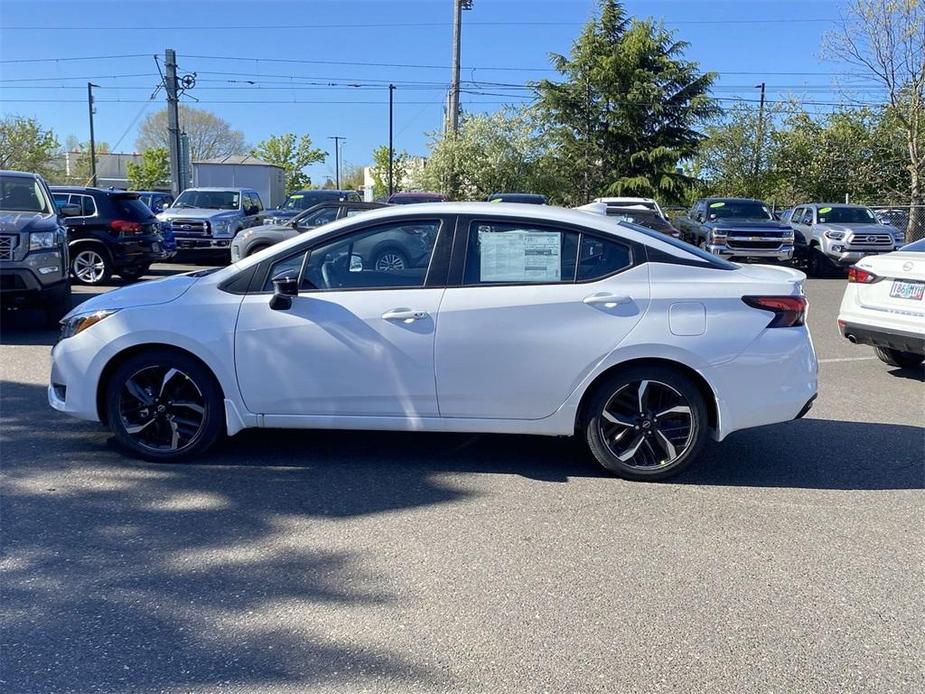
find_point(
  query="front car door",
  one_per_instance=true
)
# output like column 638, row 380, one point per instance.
column 356, row 341
column 534, row 308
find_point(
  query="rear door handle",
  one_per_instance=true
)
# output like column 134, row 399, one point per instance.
column 607, row 300
column 405, row 315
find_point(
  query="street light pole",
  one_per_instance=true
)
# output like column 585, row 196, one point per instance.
column 90, row 87
column 453, row 115
column 337, row 140
column 391, row 143
column 759, row 135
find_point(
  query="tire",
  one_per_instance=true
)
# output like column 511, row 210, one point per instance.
column 133, row 274
column 656, row 447
column 390, row 260
column 894, row 357
column 143, row 413
column 90, row 265
column 256, row 249
column 817, row 265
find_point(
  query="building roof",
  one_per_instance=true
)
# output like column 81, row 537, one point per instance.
column 245, row 159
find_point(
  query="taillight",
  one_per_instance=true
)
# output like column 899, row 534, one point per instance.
column 789, row 311
column 124, row 226
column 856, row 274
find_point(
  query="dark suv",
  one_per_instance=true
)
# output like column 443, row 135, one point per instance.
column 115, row 232
column 33, row 246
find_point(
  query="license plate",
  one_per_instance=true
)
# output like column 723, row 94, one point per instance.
column 907, row 290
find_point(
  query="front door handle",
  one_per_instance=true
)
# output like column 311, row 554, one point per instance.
column 607, row 300
column 405, row 315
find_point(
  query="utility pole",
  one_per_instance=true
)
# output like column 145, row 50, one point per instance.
column 759, row 135
column 337, row 140
column 453, row 115
column 391, row 143
column 90, row 87
column 173, row 119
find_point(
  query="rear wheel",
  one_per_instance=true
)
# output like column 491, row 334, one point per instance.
column 390, row 260
column 164, row 406
column 646, row 423
column 894, row 357
column 817, row 265
column 90, row 265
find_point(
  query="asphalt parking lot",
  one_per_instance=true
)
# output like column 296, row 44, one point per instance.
column 791, row 558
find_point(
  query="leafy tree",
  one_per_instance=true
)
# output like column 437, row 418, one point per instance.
column 26, row 146
column 81, row 171
column 209, row 135
column 352, row 177
column 627, row 111
column 293, row 155
column 152, row 172
column 380, row 171
column 885, row 40
column 502, row 151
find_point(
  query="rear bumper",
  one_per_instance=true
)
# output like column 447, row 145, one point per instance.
column 882, row 337
column 780, row 253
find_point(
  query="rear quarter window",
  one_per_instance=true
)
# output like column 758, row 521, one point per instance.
column 132, row 209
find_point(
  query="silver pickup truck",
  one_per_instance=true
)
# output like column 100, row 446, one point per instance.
column 832, row 237
column 209, row 218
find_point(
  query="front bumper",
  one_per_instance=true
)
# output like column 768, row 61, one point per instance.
column 881, row 337
column 29, row 280
column 203, row 243
column 724, row 251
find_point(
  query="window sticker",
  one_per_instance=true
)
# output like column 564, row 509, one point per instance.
column 520, row 256
column 717, row 204
column 824, row 210
column 296, row 197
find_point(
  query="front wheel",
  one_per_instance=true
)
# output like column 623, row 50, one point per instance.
column 164, row 406
column 133, row 274
column 894, row 357
column 646, row 423
column 390, row 260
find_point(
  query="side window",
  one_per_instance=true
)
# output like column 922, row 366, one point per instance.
column 87, row 204
column 601, row 257
column 796, row 215
column 353, row 212
column 256, row 199
column 504, row 252
column 699, row 210
column 807, row 216
column 388, row 256
column 60, row 199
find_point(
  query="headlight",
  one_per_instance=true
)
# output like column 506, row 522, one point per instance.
column 77, row 324
column 835, row 235
column 900, row 237
column 718, row 234
column 39, row 240
column 788, row 235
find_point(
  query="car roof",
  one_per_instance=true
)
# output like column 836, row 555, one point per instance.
column 85, row 190
column 222, row 188
column 615, row 198
column 832, row 204
column 732, row 197
column 21, row 174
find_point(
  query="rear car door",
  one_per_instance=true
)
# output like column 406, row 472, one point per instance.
column 530, row 309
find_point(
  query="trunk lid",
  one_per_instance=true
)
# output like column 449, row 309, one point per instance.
column 902, row 283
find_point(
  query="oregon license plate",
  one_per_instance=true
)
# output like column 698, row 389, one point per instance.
column 907, row 290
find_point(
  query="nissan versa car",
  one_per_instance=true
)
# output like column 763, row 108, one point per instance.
column 523, row 319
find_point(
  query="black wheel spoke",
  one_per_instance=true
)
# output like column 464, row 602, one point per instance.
column 646, row 424
column 162, row 408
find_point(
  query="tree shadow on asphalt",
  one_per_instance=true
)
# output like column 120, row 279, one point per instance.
column 120, row 575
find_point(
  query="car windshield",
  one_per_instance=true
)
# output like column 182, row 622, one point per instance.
column 647, row 218
column 23, row 194
column 846, row 215
column 414, row 199
column 309, row 198
column 209, row 199
column 738, row 209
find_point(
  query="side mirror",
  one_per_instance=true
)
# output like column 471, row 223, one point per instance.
column 356, row 263
column 69, row 210
column 285, row 286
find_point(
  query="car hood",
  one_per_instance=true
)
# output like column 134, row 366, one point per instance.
column 860, row 228
column 149, row 293
column 21, row 222
column 194, row 213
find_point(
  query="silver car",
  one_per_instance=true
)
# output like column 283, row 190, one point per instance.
column 831, row 236
column 256, row 239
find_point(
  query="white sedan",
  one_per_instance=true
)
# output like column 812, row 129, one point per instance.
column 884, row 305
column 517, row 319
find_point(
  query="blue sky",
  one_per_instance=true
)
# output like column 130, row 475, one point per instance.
column 505, row 42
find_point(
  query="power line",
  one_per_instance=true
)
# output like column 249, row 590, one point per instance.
column 399, row 25
column 67, row 60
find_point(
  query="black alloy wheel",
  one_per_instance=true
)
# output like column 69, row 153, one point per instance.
column 647, row 423
column 164, row 406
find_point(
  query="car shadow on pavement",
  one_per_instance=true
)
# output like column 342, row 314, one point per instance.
column 916, row 374
column 126, row 576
